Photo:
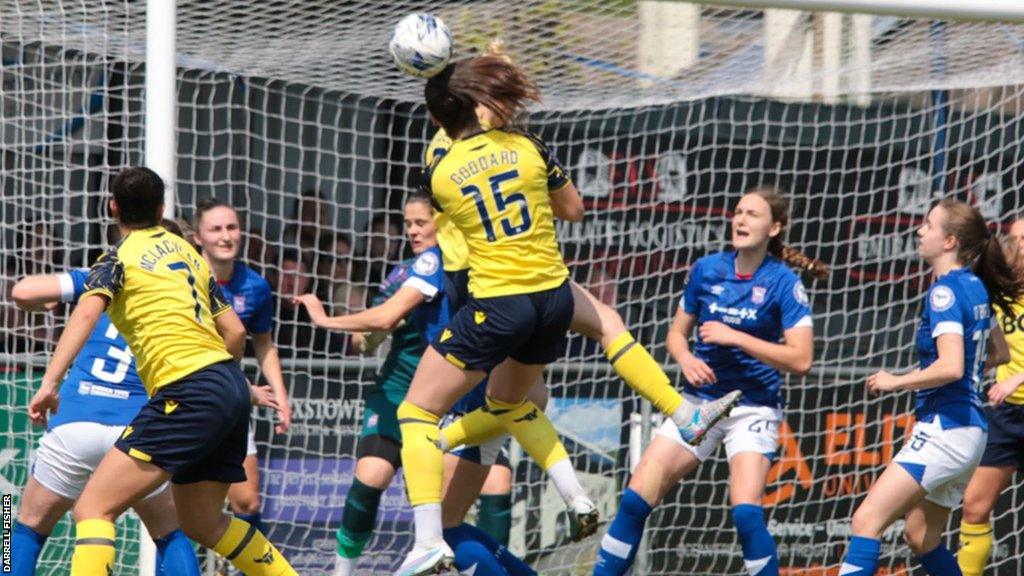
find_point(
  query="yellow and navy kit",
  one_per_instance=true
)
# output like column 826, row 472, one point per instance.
column 163, row 300
column 494, row 187
column 1005, row 443
column 454, row 251
column 1013, row 330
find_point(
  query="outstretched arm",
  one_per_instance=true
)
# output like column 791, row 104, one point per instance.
column 384, row 316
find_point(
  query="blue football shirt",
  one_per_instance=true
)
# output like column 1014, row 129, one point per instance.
column 764, row 305
column 102, row 385
column 957, row 303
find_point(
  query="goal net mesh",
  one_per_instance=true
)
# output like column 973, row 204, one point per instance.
column 663, row 113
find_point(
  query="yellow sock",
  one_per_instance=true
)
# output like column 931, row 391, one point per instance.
column 250, row 551
column 473, row 429
column 422, row 460
column 975, row 548
column 642, row 373
column 532, row 430
column 94, row 548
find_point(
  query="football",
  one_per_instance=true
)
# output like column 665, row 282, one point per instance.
column 421, row 45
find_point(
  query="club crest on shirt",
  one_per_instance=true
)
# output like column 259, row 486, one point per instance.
column 942, row 298
column 800, row 293
column 426, row 264
column 757, row 294
column 238, row 303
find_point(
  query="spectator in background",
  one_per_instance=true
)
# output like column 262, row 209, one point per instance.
column 335, row 269
column 312, row 218
column 296, row 335
column 259, row 255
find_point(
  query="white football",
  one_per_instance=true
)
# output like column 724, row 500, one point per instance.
column 421, row 45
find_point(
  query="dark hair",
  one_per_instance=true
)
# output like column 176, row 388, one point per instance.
column 980, row 250
column 489, row 80
column 139, row 194
column 294, row 255
column 172, row 227
column 779, row 207
column 419, row 196
column 328, row 239
column 204, row 205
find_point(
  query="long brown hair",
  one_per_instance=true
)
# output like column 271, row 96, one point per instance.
column 491, row 80
column 979, row 249
column 779, row 206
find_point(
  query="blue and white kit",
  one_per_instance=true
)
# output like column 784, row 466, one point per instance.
column 250, row 298
column 99, row 397
column 764, row 304
column 949, row 437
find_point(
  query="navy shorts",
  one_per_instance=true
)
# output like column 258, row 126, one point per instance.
column 1005, row 445
column 529, row 328
column 195, row 428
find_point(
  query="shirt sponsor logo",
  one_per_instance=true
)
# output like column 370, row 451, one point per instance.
column 733, row 315
column 90, row 389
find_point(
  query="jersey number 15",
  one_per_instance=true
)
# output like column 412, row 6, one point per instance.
column 501, row 202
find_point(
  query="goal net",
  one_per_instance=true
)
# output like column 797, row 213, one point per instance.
column 663, row 113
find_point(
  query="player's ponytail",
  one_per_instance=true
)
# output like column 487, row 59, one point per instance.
column 979, row 249
column 490, row 80
column 779, row 207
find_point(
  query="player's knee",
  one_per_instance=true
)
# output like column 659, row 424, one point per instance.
column 919, row 540
column 205, row 530
column 611, row 321
column 248, row 503
column 866, row 522
column 88, row 510
column 31, row 517
column 976, row 509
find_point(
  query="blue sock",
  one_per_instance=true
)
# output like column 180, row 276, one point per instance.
column 940, row 562
column 618, row 547
column 26, row 544
column 861, row 557
column 175, row 555
column 472, row 557
column 759, row 553
column 254, row 520
column 466, row 533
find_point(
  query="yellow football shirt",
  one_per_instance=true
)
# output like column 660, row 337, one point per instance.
column 454, row 250
column 1013, row 330
column 162, row 299
column 494, row 187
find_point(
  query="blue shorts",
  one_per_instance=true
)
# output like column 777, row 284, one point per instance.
column 195, row 428
column 529, row 328
column 1005, row 446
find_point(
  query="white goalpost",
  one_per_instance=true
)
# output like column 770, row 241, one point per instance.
column 862, row 112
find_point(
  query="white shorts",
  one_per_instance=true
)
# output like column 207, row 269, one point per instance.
column 69, row 454
column 747, row 429
column 250, row 449
column 942, row 461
